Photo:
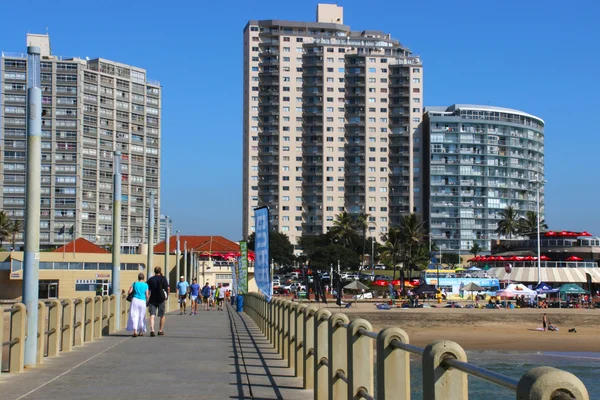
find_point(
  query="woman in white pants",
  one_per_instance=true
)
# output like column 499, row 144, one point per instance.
column 137, row 310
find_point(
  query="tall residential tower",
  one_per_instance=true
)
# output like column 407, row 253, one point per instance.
column 331, row 123
column 482, row 160
column 91, row 108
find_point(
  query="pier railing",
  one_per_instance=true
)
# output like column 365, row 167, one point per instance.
column 62, row 325
column 335, row 357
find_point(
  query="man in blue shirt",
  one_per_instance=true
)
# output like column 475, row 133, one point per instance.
column 194, row 292
column 182, row 291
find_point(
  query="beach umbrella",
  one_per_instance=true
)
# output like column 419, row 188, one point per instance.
column 574, row 258
column 544, row 258
column 356, row 285
column 472, row 287
column 474, row 269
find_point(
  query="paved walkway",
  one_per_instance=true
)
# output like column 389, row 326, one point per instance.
column 213, row 355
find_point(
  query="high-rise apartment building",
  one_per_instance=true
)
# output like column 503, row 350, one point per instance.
column 481, row 159
column 165, row 222
column 91, row 108
column 331, row 124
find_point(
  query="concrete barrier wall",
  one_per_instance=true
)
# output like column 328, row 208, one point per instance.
column 336, row 358
column 62, row 326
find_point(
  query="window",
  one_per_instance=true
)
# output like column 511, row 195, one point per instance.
column 416, row 100
column 416, row 80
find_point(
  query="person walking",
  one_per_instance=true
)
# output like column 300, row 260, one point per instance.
column 220, row 297
column 545, row 322
column 194, row 292
column 205, row 296
column 213, row 297
column 137, row 309
column 159, row 294
column 182, row 291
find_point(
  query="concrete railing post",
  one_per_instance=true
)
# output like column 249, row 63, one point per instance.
column 299, row 343
column 41, row 332
column 67, row 325
column 124, row 308
column 98, row 321
column 291, row 349
column 360, row 359
column 18, row 319
column 285, row 317
column 393, row 369
column 280, row 333
column 79, row 325
column 440, row 383
column 272, row 318
column 321, row 354
column 308, row 347
column 274, row 323
column 88, row 331
column 544, row 383
column 338, row 356
column 54, row 325
column 112, row 314
column 105, row 314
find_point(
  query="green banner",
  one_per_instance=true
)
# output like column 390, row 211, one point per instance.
column 243, row 269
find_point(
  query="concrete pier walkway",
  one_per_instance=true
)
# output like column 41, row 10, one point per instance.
column 212, row 355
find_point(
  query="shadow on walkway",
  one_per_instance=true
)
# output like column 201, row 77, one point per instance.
column 255, row 359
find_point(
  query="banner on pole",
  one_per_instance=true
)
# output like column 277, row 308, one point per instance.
column 243, row 269
column 262, row 274
column 234, row 276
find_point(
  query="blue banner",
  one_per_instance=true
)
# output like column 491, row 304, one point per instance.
column 262, row 274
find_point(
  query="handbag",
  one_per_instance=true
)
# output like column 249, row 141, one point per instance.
column 130, row 295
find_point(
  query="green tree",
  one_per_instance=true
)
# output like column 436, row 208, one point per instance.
column 528, row 223
column 323, row 257
column 5, row 227
column 476, row 249
column 281, row 249
column 509, row 223
column 451, row 259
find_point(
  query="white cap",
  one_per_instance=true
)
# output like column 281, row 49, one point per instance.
column 181, row 277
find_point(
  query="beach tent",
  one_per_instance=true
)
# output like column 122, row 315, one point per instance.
column 425, row 289
column 571, row 288
column 545, row 288
column 474, row 269
column 515, row 289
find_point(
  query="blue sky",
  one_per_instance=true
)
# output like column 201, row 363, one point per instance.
column 537, row 56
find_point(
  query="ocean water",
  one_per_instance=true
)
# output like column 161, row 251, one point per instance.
column 586, row 366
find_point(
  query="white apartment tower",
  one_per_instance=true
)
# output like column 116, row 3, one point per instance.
column 91, row 108
column 331, row 124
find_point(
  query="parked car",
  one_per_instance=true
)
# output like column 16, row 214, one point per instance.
column 276, row 282
column 293, row 287
column 362, row 296
column 379, row 266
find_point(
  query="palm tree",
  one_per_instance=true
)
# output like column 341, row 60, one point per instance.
column 509, row 224
column 406, row 241
column 15, row 229
column 392, row 247
column 528, row 224
column 343, row 227
column 5, row 227
column 476, row 249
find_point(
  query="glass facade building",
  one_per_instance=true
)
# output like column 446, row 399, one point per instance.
column 482, row 159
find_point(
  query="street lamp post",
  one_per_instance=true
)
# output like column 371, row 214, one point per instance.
column 537, row 182
column 372, row 227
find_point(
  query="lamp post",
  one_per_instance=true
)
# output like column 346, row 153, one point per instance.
column 537, row 182
column 372, row 227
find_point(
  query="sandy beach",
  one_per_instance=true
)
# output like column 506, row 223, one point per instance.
column 481, row 329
